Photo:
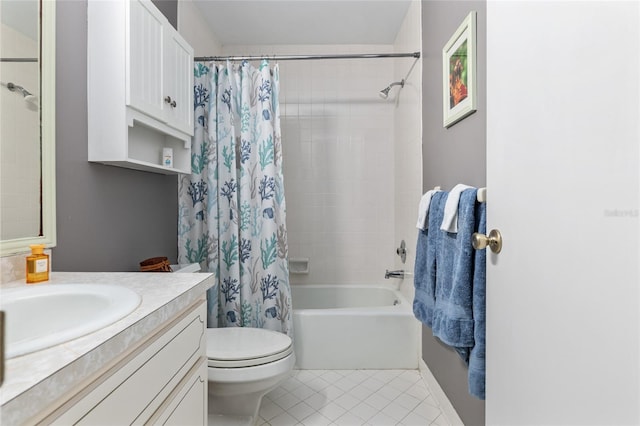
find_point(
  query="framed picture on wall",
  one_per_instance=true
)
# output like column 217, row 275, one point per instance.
column 459, row 72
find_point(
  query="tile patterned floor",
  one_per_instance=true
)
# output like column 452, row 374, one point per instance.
column 351, row 398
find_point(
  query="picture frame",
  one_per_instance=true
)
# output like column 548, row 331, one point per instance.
column 459, row 73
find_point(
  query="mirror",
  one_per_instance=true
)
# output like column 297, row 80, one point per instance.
column 27, row 125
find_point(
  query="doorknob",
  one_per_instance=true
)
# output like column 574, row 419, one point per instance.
column 481, row 241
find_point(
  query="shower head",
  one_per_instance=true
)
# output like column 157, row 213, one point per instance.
column 384, row 93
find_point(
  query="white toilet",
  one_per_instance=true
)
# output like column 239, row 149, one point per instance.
column 243, row 365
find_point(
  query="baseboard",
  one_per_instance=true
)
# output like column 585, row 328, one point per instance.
column 447, row 409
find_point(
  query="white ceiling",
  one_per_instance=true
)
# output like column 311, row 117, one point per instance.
column 269, row 22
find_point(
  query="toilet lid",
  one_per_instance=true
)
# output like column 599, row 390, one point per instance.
column 244, row 346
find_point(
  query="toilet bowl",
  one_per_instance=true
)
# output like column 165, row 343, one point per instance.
column 243, row 365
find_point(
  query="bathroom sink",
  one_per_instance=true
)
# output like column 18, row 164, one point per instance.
column 44, row 315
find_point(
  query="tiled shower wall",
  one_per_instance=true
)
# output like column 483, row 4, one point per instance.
column 338, row 138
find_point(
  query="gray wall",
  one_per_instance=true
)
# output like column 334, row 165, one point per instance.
column 108, row 218
column 451, row 156
column 169, row 9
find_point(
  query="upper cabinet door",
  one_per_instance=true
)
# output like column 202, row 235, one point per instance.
column 178, row 83
column 145, row 33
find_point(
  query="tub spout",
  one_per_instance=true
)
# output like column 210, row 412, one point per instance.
column 395, row 274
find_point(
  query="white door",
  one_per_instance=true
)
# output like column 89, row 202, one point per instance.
column 563, row 129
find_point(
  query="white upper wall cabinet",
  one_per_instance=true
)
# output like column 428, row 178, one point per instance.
column 140, row 94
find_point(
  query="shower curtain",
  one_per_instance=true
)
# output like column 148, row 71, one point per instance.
column 232, row 206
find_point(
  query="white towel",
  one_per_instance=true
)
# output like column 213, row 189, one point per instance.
column 423, row 209
column 450, row 217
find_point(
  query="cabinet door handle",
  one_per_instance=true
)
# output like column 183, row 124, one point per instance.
column 170, row 101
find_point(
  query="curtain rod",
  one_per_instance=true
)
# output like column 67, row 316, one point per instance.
column 304, row 57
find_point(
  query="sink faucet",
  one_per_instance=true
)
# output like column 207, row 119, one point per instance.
column 394, row 274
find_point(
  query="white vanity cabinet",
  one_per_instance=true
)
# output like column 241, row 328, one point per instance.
column 162, row 381
column 140, row 87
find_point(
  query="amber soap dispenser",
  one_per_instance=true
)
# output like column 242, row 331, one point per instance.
column 37, row 264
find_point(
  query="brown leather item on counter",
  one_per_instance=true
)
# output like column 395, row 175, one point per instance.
column 155, row 264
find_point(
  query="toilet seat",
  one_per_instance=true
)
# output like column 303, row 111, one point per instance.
column 236, row 347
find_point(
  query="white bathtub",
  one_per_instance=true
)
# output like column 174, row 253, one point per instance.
column 353, row 327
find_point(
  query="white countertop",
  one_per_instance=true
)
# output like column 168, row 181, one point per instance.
column 36, row 380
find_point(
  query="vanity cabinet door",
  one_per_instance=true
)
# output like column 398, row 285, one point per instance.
column 145, row 28
column 189, row 404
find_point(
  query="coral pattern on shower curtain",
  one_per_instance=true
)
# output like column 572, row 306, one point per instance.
column 232, row 206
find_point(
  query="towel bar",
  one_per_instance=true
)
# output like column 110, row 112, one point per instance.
column 481, row 195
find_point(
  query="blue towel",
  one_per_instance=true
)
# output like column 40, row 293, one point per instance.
column 424, row 276
column 450, row 283
column 477, row 356
column 453, row 321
